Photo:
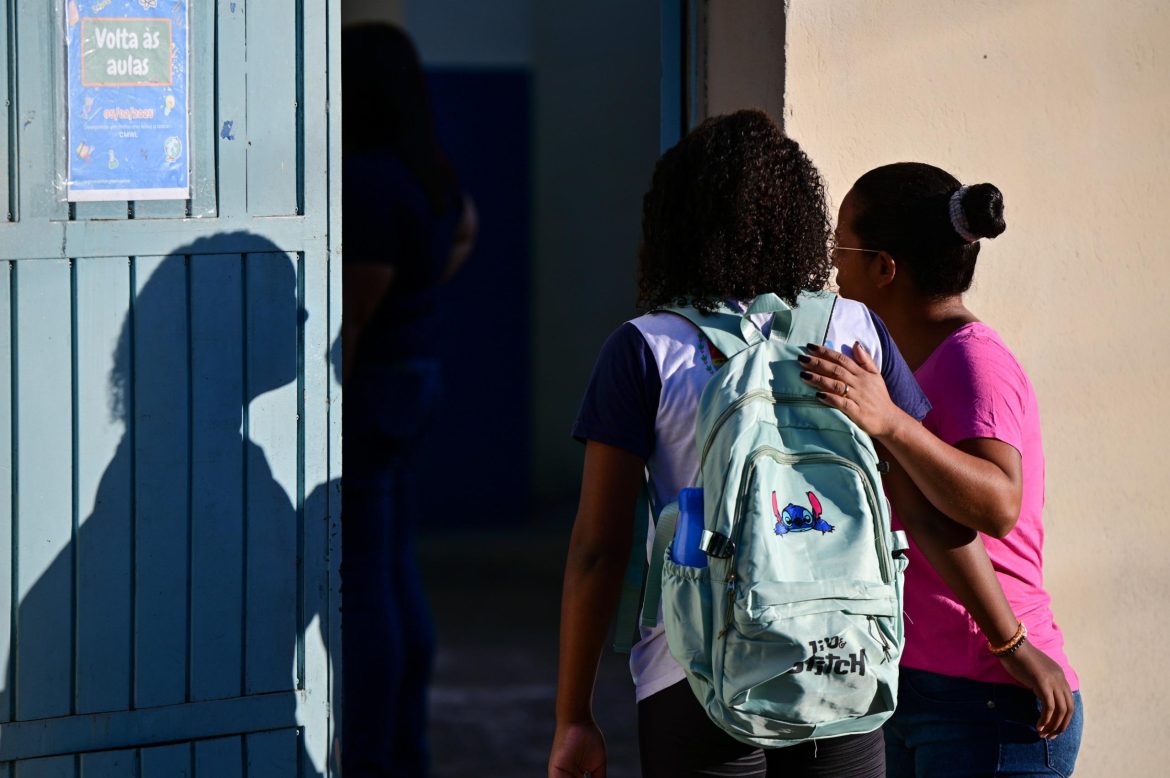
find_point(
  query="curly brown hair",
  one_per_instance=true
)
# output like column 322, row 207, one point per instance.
column 734, row 210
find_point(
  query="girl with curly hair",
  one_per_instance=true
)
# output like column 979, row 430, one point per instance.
column 735, row 210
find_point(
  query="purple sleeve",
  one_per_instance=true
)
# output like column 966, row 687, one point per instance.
column 621, row 401
column 903, row 387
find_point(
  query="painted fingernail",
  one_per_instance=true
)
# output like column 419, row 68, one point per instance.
column 821, row 395
column 805, row 358
column 805, row 375
column 813, row 347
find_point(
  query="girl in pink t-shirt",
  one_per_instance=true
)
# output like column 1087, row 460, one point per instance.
column 990, row 693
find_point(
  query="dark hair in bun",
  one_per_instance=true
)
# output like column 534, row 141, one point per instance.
column 906, row 210
column 983, row 210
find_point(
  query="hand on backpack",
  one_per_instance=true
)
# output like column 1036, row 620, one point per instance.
column 853, row 386
column 578, row 750
column 1036, row 670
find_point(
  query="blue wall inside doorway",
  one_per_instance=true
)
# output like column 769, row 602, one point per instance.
column 474, row 465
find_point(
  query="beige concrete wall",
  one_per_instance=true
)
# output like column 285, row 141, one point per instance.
column 1064, row 105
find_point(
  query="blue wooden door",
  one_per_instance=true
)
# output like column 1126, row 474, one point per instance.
column 169, row 424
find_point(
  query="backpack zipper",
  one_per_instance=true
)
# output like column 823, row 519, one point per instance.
column 884, row 559
column 873, row 627
column 775, row 398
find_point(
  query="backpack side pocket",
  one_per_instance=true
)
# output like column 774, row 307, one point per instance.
column 687, row 614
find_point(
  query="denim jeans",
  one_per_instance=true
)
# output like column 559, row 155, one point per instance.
column 956, row 727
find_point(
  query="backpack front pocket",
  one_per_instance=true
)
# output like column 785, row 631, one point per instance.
column 810, row 660
column 808, row 517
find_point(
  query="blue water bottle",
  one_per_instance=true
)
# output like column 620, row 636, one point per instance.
column 689, row 530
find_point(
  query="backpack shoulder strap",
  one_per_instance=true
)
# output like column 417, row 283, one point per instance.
column 642, row 589
column 663, row 535
column 810, row 321
column 727, row 330
column 721, row 327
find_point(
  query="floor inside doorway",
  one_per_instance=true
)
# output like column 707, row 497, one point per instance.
column 496, row 600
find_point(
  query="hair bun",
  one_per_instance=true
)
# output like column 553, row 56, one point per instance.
column 983, row 210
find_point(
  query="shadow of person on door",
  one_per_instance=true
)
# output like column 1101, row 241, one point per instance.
column 196, row 566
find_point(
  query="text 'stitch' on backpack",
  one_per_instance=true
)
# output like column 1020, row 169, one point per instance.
column 793, row 630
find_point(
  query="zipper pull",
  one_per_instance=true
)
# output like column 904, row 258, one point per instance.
column 882, row 637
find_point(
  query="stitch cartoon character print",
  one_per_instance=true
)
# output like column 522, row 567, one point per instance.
column 797, row 518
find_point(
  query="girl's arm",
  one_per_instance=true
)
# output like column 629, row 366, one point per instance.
column 599, row 550
column 958, row 555
column 979, row 483
column 930, row 481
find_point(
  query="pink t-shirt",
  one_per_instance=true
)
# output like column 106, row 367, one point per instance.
column 979, row 390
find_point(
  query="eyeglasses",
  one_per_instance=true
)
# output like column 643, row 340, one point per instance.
column 850, row 248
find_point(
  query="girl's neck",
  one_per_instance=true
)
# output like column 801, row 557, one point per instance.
column 919, row 325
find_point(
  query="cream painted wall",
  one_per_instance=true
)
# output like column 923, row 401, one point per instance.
column 1064, row 105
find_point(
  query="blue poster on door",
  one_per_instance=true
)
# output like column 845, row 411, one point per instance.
column 127, row 100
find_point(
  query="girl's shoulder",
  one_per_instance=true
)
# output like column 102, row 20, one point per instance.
column 975, row 348
column 974, row 364
column 664, row 326
column 853, row 322
column 670, row 336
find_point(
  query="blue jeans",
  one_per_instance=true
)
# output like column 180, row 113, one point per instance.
column 387, row 633
column 955, row 727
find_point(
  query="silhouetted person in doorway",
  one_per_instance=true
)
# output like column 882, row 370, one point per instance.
column 407, row 228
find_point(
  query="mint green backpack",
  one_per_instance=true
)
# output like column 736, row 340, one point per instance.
column 794, row 629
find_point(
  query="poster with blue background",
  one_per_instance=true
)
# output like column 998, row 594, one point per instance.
column 127, row 100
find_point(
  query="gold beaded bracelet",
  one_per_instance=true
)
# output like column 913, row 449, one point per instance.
column 1013, row 644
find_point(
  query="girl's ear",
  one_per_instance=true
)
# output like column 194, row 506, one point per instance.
column 883, row 270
